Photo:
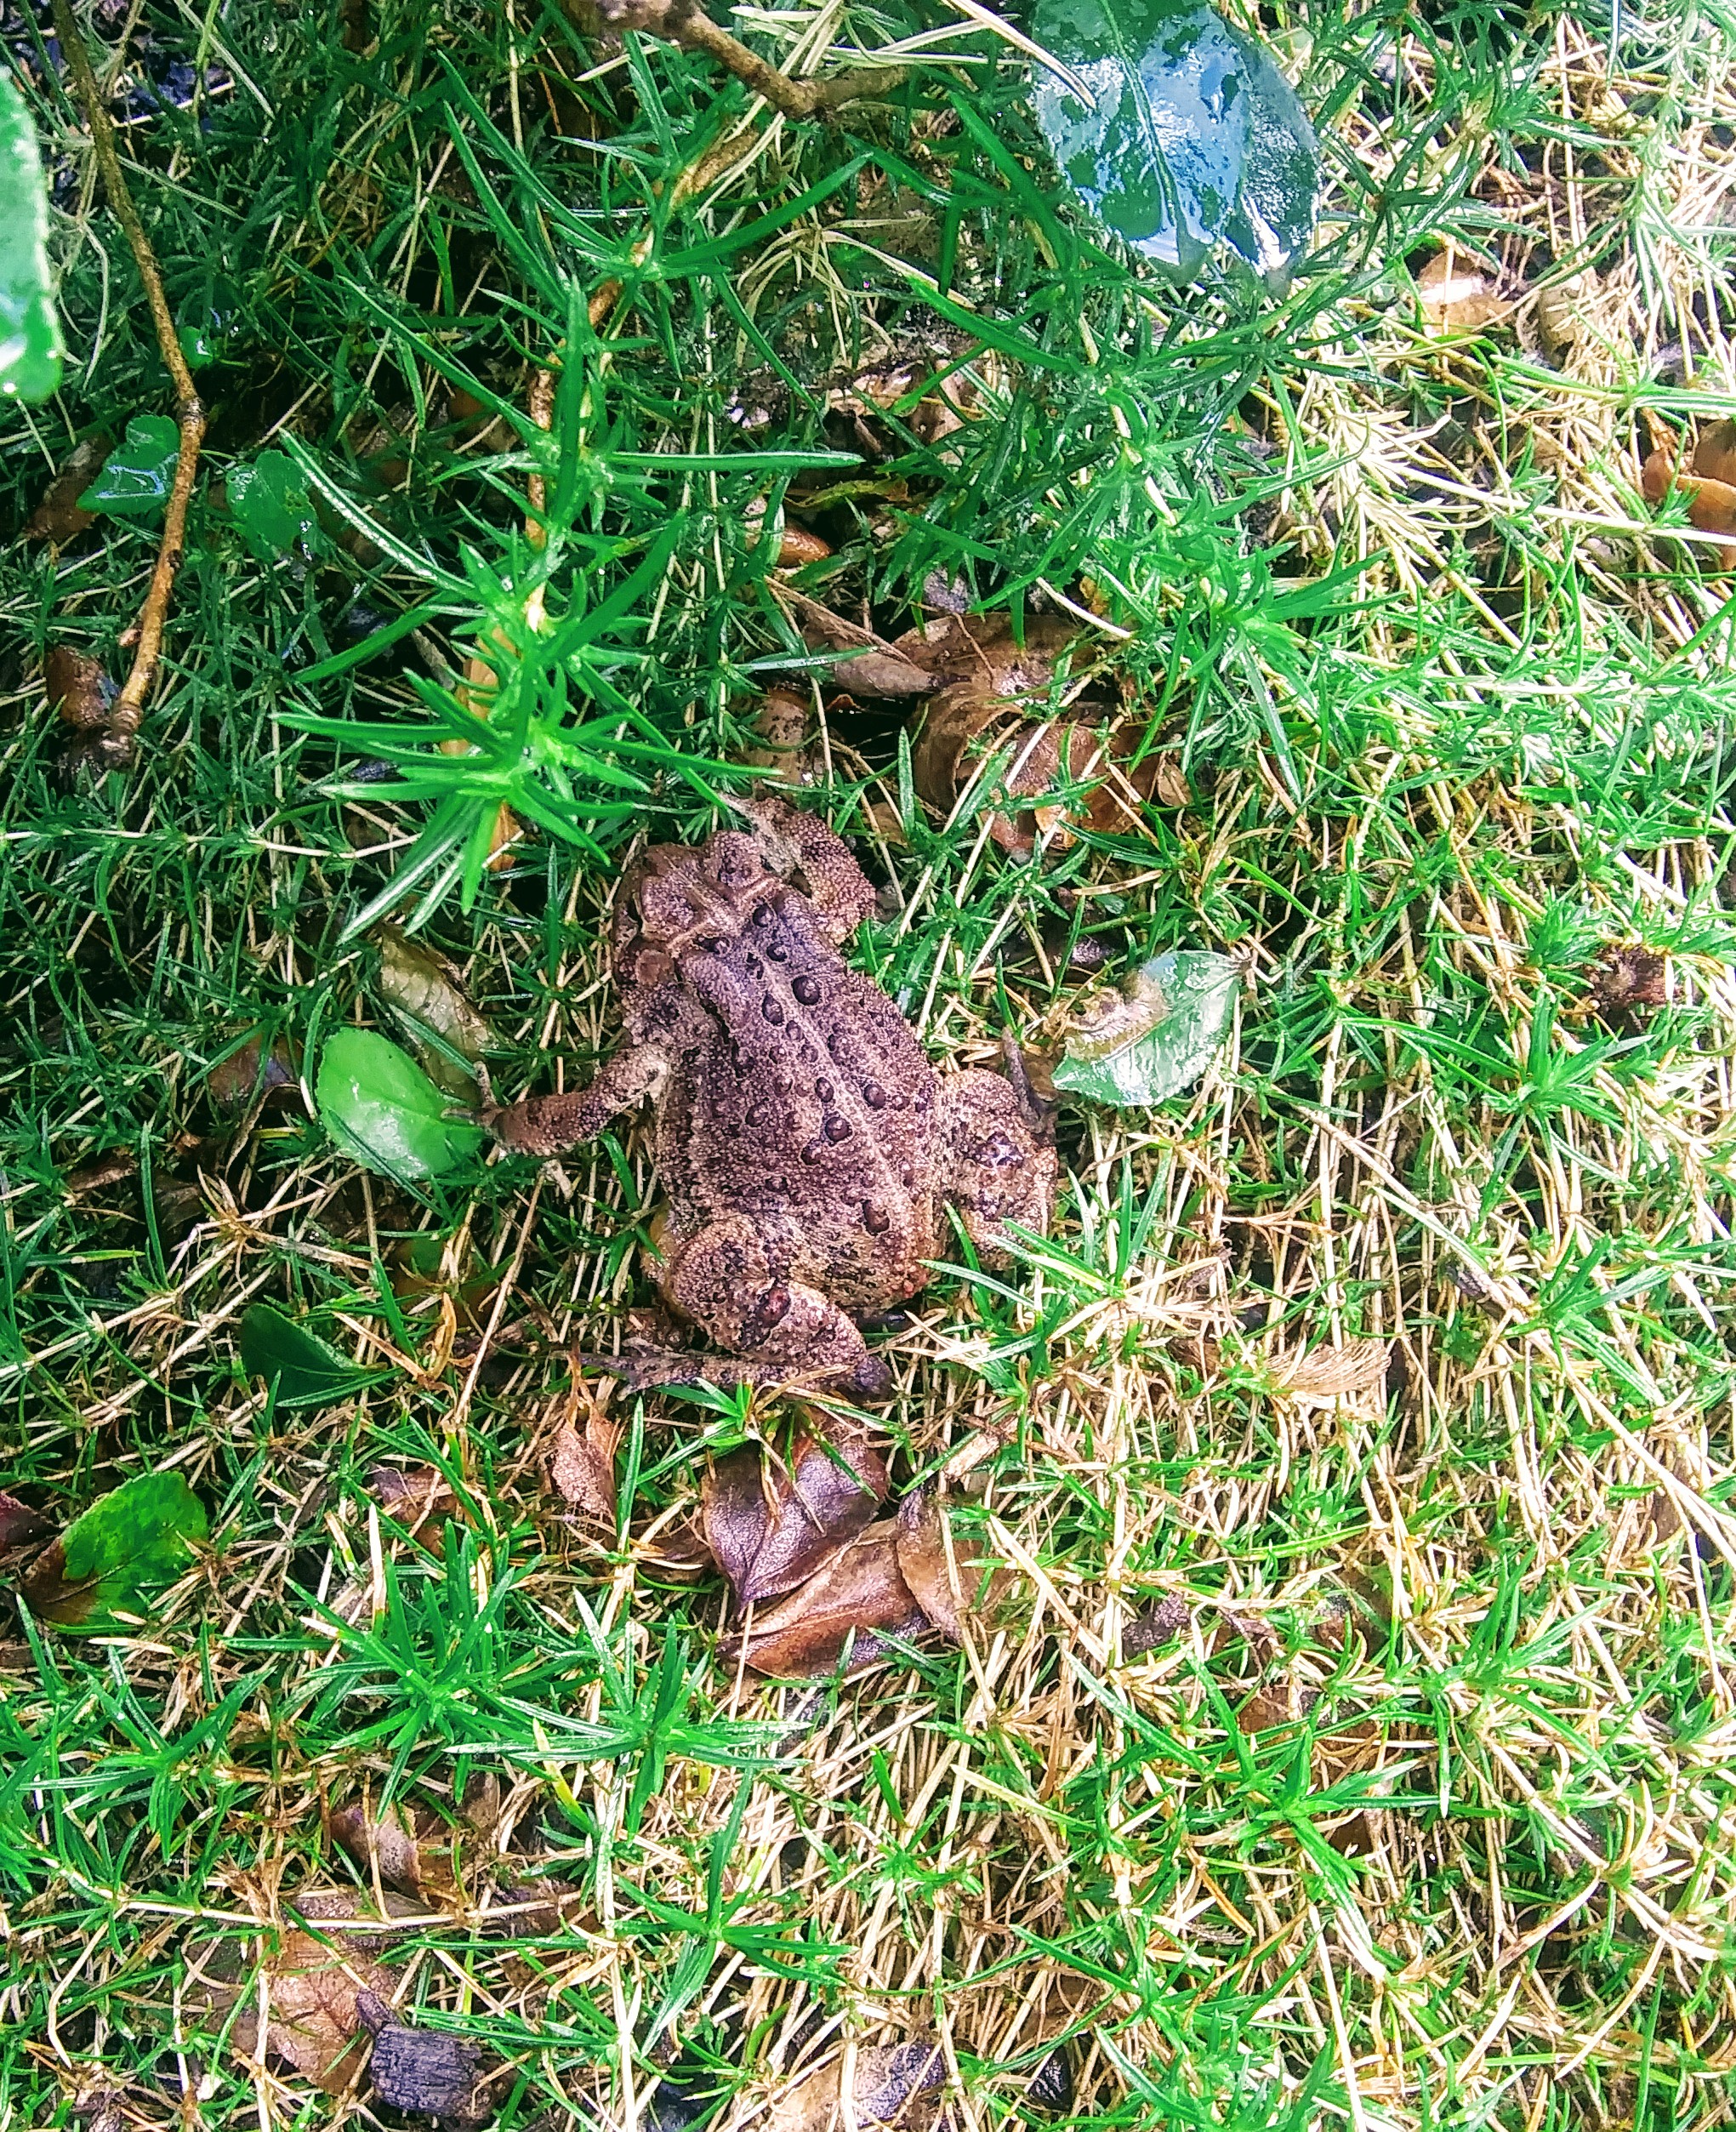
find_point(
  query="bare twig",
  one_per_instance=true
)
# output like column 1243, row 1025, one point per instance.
column 115, row 749
column 685, row 22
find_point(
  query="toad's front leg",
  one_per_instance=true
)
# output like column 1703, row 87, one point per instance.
column 549, row 1125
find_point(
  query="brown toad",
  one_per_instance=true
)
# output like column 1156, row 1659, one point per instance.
column 808, row 1149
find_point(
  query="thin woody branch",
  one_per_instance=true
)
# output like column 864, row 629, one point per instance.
column 685, row 22
column 128, row 710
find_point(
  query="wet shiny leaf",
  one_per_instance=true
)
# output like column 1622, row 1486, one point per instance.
column 128, row 1545
column 138, row 474
column 269, row 503
column 30, row 332
column 1195, row 136
column 1155, row 1038
column 383, row 1110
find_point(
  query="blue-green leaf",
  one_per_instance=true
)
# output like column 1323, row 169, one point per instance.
column 137, row 476
column 1195, row 136
column 30, row 332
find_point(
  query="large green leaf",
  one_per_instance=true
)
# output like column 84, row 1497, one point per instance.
column 29, row 332
column 380, row 1106
column 128, row 1544
column 1195, row 136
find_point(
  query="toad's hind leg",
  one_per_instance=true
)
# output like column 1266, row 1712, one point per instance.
column 727, row 1280
column 1000, row 1155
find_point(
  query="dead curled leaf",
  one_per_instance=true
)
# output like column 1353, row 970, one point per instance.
column 894, row 2084
column 770, row 1525
column 410, row 1846
column 1458, row 295
column 423, row 991
column 1709, row 485
column 848, row 1610
column 311, row 2020
column 875, row 667
column 898, row 1578
column 583, row 1466
column 1330, row 1374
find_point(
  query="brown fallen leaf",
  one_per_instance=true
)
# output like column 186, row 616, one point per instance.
column 254, row 1072
column 583, row 1466
column 981, row 649
column 59, row 516
column 964, row 735
column 421, row 1497
column 1458, row 295
column 877, row 669
column 894, row 2084
column 1330, row 1374
column 18, row 1522
column 411, row 1848
column 312, row 2019
column 947, row 1582
column 770, row 1525
column 858, row 1598
column 1629, row 982
column 79, row 691
column 924, row 1565
column 415, row 2069
column 1709, row 484
column 423, row 991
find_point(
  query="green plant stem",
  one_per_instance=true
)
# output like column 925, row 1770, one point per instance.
column 147, row 633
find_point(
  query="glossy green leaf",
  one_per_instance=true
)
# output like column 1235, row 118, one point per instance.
column 30, row 332
column 269, row 503
column 128, row 1545
column 306, row 1371
column 137, row 476
column 380, row 1108
column 1195, row 136
column 1157, row 1036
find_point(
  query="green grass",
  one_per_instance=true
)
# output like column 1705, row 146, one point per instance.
column 1416, row 1809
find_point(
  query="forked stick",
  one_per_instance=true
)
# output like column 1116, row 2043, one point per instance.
column 685, row 22
column 115, row 748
